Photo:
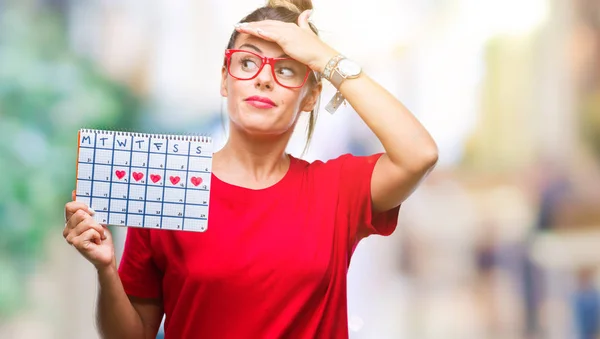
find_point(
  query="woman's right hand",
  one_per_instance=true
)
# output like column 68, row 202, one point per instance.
column 91, row 239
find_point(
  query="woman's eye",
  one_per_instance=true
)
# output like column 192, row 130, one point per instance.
column 286, row 72
column 248, row 64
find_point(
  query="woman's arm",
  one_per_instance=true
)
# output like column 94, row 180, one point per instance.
column 410, row 151
column 119, row 316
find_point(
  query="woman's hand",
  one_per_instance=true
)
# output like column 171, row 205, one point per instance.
column 297, row 41
column 91, row 239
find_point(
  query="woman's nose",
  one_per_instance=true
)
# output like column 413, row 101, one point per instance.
column 265, row 77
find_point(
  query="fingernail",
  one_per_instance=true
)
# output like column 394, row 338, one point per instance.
column 241, row 24
column 92, row 211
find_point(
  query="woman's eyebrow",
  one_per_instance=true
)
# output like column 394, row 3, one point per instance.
column 251, row 47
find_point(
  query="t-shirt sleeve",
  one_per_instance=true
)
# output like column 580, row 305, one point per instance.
column 138, row 272
column 355, row 195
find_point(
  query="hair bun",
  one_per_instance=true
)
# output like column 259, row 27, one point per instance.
column 297, row 6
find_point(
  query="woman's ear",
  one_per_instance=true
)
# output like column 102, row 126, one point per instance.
column 309, row 102
column 224, row 82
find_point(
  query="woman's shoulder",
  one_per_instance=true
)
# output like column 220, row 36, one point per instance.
column 335, row 164
column 319, row 164
column 322, row 172
column 343, row 168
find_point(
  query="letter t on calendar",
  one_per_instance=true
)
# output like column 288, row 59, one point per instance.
column 145, row 180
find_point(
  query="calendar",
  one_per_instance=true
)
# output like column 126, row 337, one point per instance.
column 145, row 180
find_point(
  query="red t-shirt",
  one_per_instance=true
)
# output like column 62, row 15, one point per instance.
column 273, row 262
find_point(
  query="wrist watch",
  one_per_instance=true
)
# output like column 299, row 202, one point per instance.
column 337, row 70
column 345, row 69
column 340, row 68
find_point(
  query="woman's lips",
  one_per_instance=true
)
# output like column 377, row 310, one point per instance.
column 260, row 102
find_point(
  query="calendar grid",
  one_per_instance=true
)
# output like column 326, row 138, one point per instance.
column 187, row 169
column 174, row 203
column 136, row 192
column 93, row 162
column 146, row 188
column 129, row 181
column 162, row 200
column 177, row 188
column 160, row 169
column 178, row 155
column 112, row 164
column 192, row 218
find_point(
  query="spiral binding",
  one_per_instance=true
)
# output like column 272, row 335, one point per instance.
column 178, row 137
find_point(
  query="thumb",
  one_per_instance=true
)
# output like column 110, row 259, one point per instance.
column 106, row 234
column 303, row 19
column 88, row 240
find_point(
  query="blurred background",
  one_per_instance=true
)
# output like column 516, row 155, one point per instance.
column 501, row 241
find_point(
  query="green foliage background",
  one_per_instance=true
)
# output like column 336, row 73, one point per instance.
column 46, row 94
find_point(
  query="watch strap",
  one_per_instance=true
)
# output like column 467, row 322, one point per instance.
column 327, row 71
column 335, row 102
column 336, row 78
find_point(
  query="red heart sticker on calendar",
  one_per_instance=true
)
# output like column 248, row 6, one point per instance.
column 137, row 176
column 120, row 174
column 155, row 178
column 196, row 181
column 174, row 180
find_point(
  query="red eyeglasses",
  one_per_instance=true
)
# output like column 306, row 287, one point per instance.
column 246, row 65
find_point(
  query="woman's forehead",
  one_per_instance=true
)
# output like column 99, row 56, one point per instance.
column 258, row 45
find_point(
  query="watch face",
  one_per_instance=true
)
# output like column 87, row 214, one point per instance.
column 349, row 67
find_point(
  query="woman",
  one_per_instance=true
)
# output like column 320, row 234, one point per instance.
column 274, row 260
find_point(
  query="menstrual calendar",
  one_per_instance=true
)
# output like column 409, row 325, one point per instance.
column 145, row 180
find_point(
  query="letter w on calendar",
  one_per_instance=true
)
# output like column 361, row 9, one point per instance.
column 145, row 180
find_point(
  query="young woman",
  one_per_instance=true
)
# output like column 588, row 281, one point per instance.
column 274, row 260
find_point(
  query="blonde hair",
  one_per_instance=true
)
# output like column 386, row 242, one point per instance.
column 297, row 6
column 286, row 11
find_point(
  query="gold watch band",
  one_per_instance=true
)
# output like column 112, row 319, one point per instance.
column 335, row 78
column 327, row 71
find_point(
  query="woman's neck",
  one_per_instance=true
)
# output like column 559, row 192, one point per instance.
column 252, row 162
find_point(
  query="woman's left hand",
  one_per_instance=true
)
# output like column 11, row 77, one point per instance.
column 297, row 41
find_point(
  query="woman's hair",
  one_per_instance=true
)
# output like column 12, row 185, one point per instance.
column 286, row 11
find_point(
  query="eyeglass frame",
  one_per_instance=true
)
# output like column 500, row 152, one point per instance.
column 265, row 61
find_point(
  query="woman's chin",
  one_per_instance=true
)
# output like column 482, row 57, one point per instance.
column 262, row 131
column 261, row 126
